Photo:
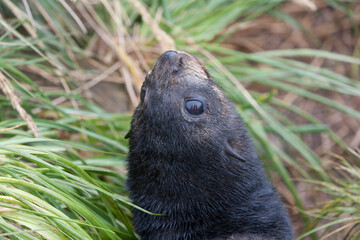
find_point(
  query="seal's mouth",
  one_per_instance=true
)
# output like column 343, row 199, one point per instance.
column 177, row 62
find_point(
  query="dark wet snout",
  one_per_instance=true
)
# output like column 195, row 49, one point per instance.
column 170, row 55
column 174, row 65
column 172, row 60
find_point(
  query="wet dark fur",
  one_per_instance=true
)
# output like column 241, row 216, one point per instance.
column 201, row 172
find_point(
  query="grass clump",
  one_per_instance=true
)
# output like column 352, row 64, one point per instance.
column 339, row 216
column 50, row 190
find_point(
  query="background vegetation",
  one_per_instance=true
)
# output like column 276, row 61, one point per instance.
column 62, row 63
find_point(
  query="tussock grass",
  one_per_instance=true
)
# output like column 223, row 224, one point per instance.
column 338, row 218
column 49, row 188
column 69, row 183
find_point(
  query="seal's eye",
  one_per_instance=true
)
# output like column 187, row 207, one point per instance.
column 194, row 107
column 142, row 94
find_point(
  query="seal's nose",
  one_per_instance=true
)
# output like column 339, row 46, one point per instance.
column 170, row 54
column 171, row 61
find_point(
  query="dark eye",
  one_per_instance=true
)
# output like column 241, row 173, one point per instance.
column 142, row 94
column 194, row 107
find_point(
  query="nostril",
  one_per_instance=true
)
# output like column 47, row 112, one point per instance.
column 170, row 54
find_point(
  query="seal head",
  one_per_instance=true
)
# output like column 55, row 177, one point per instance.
column 192, row 160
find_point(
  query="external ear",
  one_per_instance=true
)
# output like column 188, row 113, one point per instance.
column 229, row 150
column 128, row 135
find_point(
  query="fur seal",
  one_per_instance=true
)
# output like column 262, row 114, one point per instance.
column 192, row 160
